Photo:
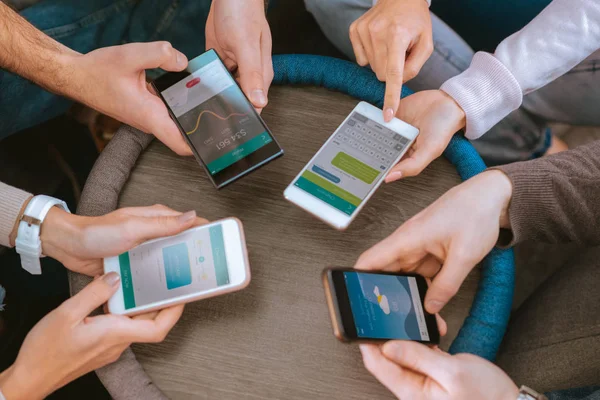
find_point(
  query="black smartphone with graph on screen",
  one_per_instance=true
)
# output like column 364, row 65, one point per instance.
column 226, row 134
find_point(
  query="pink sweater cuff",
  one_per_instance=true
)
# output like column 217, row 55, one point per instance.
column 11, row 202
column 487, row 91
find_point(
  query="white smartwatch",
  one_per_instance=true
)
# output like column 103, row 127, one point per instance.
column 28, row 242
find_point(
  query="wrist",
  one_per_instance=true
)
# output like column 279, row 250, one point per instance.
column 501, row 185
column 454, row 112
column 59, row 233
column 72, row 73
column 513, row 393
column 17, row 386
column 56, row 74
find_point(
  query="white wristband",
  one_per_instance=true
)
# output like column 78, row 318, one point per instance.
column 28, row 243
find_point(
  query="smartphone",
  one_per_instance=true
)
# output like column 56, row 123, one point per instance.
column 226, row 134
column 337, row 182
column 201, row 262
column 378, row 306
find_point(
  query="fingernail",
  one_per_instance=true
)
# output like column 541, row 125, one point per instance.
column 434, row 306
column 259, row 98
column 363, row 349
column 388, row 114
column 187, row 217
column 178, row 58
column 181, row 59
column 392, row 176
column 112, row 279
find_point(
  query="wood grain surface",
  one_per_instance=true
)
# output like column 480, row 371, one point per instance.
column 274, row 340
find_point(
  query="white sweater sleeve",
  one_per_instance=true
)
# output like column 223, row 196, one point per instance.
column 558, row 39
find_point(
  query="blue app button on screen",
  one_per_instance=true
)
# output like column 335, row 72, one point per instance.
column 177, row 266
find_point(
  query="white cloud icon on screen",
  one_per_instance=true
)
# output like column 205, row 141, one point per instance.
column 382, row 300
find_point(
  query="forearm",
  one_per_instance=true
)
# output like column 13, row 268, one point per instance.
column 558, row 39
column 12, row 204
column 26, row 51
column 555, row 198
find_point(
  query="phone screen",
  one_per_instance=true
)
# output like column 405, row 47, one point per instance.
column 222, row 126
column 192, row 262
column 345, row 171
column 386, row 306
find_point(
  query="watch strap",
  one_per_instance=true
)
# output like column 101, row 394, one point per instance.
column 28, row 243
column 527, row 393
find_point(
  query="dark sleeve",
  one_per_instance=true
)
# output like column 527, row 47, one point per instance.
column 556, row 199
column 585, row 393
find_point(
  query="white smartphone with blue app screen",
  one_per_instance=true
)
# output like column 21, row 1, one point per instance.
column 337, row 182
column 202, row 262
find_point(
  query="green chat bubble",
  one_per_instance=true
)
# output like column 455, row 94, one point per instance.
column 355, row 167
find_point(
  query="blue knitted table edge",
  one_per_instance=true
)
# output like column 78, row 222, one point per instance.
column 484, row 328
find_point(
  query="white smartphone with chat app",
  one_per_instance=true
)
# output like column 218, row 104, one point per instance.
column 202, row 262
column 337, row 182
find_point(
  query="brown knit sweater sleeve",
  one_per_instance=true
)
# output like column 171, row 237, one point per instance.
column 556, row 199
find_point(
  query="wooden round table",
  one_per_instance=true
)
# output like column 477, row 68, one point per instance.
column 273, row 340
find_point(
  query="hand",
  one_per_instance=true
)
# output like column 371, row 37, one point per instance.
column 410, row 370
column 240, row 33
column 67, row 343
column 81, row 243
column 458, row 230
column 112, row 80
column 395, row 38
column 438, row 118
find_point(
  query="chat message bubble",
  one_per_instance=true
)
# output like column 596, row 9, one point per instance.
column 355, row 167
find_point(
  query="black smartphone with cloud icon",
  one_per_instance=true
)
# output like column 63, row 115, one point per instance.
column 226, row 134
column 369, row 306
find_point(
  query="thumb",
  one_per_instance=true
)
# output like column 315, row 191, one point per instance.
column 161, row 125
column 418, row 358
column 147, row 228
column 155, row 55
column 396, row 251
column 446, row 283
column 414, row 164
column 92, row 296
column 251, row 75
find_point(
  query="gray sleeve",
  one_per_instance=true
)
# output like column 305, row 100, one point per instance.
column 585, row 393
column 555, row 198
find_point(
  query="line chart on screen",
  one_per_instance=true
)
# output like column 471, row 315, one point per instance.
column 216, row 116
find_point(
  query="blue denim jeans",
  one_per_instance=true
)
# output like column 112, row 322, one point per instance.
column 91, row 24
column 571, row 99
